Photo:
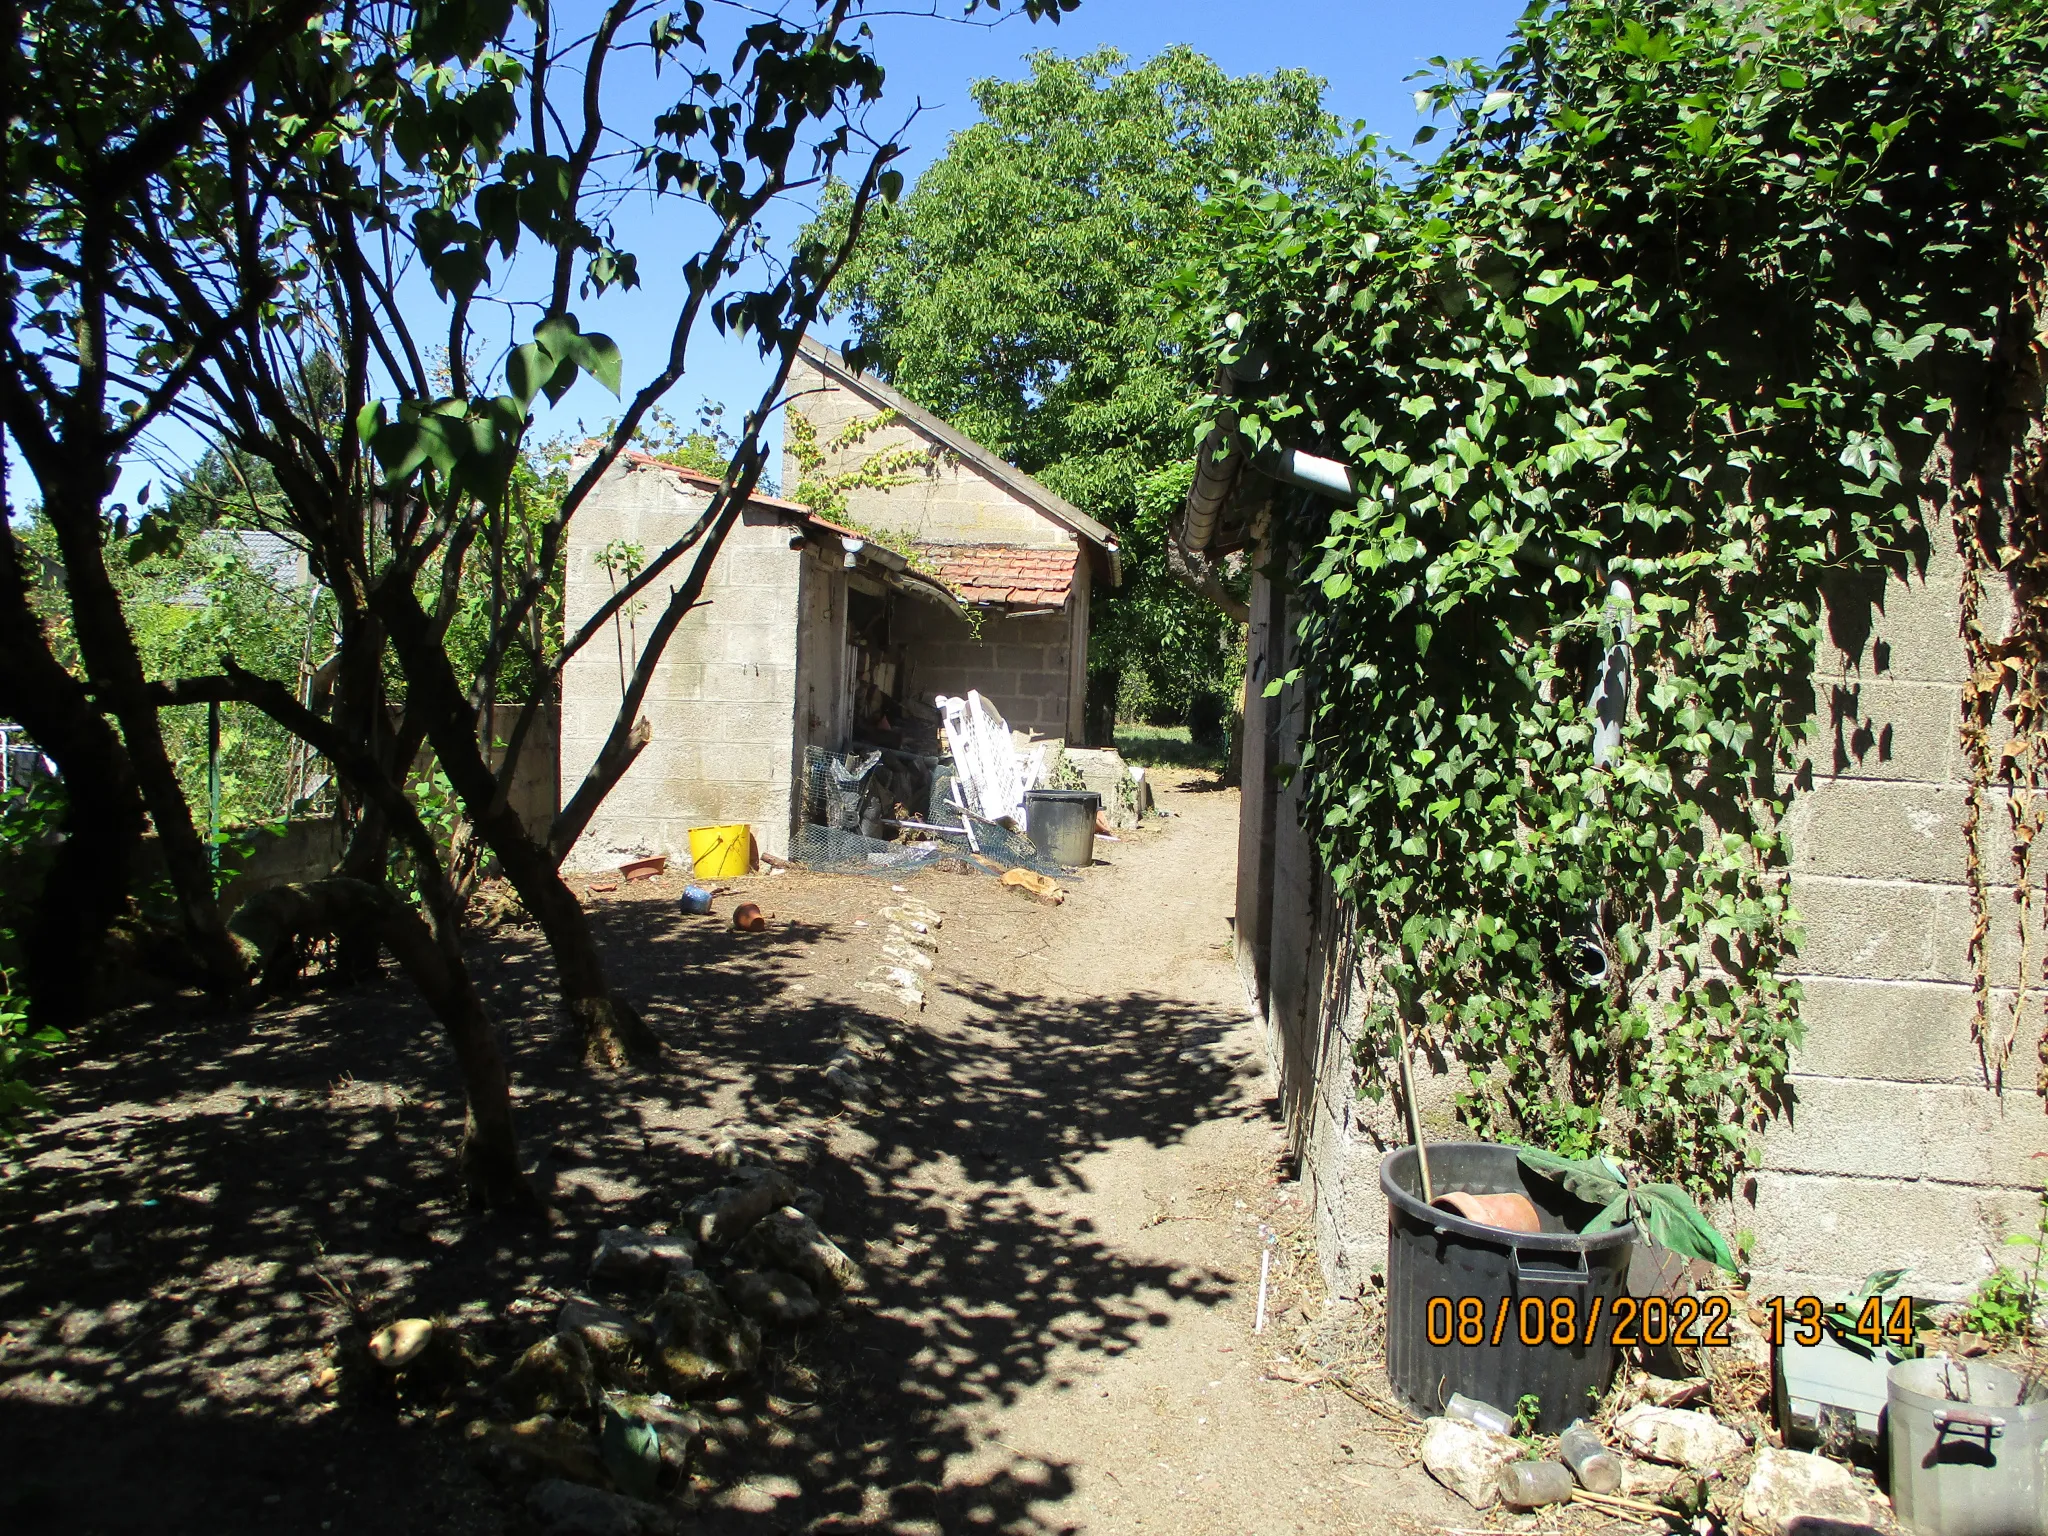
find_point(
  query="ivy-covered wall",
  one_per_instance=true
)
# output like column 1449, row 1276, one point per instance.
column 1893, row 1152
column 1712, row 350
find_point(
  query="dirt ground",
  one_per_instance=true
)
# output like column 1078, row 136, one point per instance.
column 1061, row 1200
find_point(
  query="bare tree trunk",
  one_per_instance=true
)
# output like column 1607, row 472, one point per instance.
column 115, row 670
column 1198, row 574
column 273, row 920
column 87, row 884
column 429, row 949
column 611, row 1030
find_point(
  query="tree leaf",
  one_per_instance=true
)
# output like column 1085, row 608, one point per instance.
column 1586, row 1179
column 598, row 355
column 1672, row 1221
column 527, row 371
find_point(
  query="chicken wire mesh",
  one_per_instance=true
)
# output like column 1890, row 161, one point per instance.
column 851, row 803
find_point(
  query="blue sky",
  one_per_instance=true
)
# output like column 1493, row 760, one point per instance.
column 1365, row 50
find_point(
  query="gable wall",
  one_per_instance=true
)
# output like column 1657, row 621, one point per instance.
column 949, row 503
column 723, row 700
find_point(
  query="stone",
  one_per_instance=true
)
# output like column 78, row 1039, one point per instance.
column 790, row 1240
column 398, row 1345
column 1646, row 1479
column 677, row 1428
column 556, row 1375
column 848, row 1083
column 863, row 1045
column 917, row 935
column 905, row 954
column 1669, row 1392
column 1104, row 770
column 1747, row 1344
column 912, row 915
column 1682, row 1437
column 772, row 1296
column 897, row 981
column 1467, row 1460
column 629, row 1256
column 617, row 1340
column 568, row 1509
column 723, row 1216
column 539, row 1447
column 700, row 1341
column 1786, row 1487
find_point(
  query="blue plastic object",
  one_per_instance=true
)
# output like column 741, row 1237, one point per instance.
column 696, row 899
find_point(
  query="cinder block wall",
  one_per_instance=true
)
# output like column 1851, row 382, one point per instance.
column 1022, row 666
column 534, row 794
column 947, row 503
column 723, row 701
column 1896, row 1153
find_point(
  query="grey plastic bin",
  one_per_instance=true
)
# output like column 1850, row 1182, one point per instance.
column 1968, row 1458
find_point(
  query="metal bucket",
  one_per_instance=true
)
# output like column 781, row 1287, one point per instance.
column 1968, row 1458
column 1436, row 1259
column 1061, row 824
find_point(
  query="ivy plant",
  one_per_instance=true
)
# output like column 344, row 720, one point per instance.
column 1681, row 329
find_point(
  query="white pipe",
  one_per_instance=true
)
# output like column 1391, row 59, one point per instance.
column 1326, row 477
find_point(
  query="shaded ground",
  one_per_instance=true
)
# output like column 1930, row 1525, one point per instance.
column 1061, row 1203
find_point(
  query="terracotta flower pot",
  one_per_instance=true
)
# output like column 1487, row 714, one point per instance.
column 1511, row 1213
column 748, row 918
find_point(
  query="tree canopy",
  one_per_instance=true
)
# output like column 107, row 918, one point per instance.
column 1014, row 293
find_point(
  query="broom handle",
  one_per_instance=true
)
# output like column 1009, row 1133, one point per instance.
column 1414, row 1120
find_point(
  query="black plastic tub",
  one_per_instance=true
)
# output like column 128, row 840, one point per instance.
column 1555, row 1348
column 1061, row 824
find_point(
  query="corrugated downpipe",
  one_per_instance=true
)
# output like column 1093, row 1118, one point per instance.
column 1218, row 463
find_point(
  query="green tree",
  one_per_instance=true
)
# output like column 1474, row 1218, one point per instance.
column 201, row 206
column 1014, row 293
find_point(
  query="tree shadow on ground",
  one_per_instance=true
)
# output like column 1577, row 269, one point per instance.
column 222, row 1204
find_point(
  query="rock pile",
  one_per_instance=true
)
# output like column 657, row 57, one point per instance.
column 593, row 1420
column 1777, row 1492
column 907, row 950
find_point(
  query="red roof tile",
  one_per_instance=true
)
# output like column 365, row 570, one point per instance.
column 1010, row 574
column 633, row 458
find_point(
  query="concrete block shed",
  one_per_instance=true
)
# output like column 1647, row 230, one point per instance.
column 823, row 632
column 1897, row 1151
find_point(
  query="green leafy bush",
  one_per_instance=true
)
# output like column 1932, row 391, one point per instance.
column 30, row 814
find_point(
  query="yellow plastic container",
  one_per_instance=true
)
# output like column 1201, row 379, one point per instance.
column 720, row 853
